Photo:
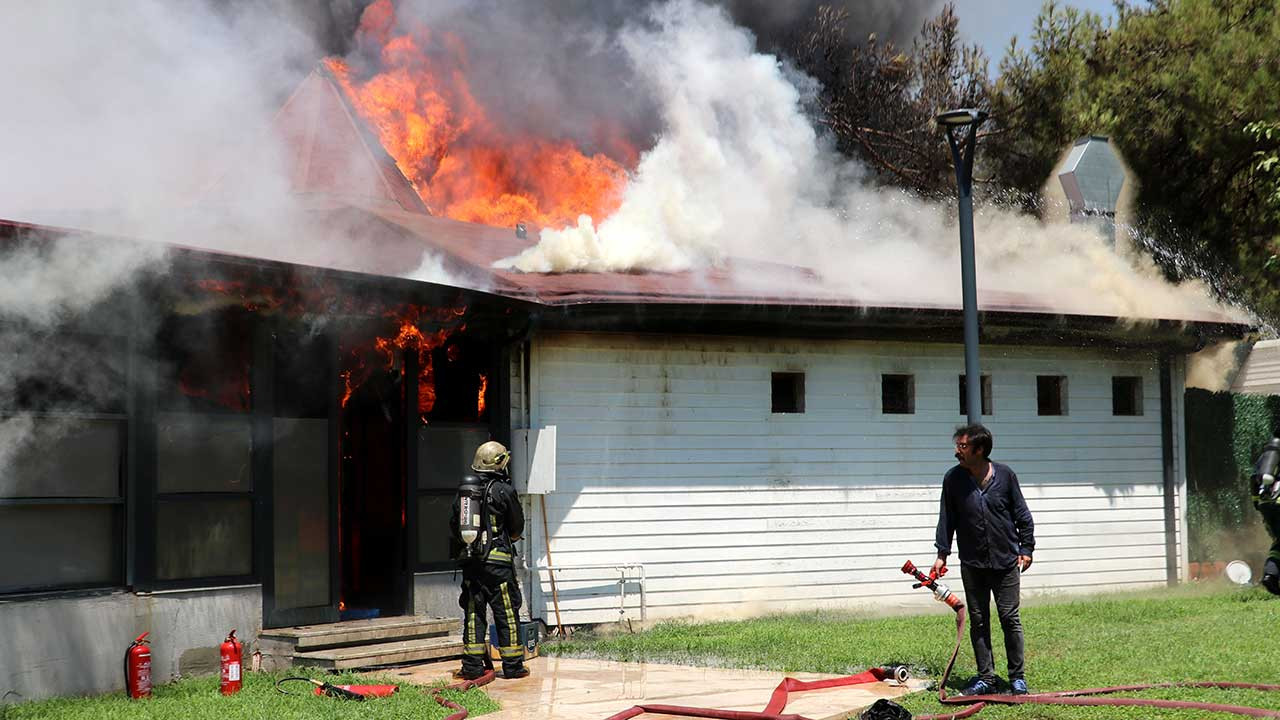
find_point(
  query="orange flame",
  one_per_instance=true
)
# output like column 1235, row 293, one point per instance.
column 229, row 385
column 459, row 161
column 407, row 337
column 484, row 387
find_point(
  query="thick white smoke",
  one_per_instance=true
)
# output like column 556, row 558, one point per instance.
column 117, row 119
column 739, row 171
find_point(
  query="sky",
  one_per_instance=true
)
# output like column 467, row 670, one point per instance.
column 991, row 23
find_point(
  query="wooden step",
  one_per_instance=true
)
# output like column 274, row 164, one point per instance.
column 355, row 632
column 382, row 653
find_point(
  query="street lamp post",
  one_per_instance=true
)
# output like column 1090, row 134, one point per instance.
column 962, row 130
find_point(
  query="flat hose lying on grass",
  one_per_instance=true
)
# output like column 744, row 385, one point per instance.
column 1083, row 697
column 461, row 686
column 975, row 703
column 777, row 701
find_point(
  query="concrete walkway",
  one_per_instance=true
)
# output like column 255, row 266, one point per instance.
column 575, row 689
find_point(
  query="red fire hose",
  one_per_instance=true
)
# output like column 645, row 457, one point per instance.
column 1075, row 697
column 975, row 702
column 777, row 701
column 462, row 686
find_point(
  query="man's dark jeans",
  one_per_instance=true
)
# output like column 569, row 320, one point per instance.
column 979, row 585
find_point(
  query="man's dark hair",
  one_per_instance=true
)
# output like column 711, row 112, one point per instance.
column 979, row 437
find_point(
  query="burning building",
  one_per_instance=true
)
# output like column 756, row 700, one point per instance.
column 270, row 436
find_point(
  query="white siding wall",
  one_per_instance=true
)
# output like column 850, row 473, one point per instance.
column 1261, row 371
column 669, row 456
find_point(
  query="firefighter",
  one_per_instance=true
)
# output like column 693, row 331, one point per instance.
column 1265, row 487
column 487, row 556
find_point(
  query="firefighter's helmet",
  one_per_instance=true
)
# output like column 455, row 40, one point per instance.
column 492, row 456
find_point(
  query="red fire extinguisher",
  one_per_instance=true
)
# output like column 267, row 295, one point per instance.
column 232, row 651
column 137, row 668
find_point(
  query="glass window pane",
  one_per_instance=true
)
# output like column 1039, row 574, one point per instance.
column 445, row 453
column 1051, row 395
column 50, row 546
column 301, row 512
column 986, row 395
column 65, row 457
column 305, row 382
column 787, row 392
column 897, row 394
column 203, row 453
column 433, row 528
column 206, row 359
column 460, row 381
column 206, row 538
column 1126, row 395
column 59, row 371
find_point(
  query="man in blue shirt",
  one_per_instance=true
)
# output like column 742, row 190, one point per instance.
column 983, row 507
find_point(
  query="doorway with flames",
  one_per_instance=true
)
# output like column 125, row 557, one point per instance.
column 411, row 397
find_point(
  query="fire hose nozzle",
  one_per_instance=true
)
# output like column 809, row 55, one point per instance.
column 943, row 594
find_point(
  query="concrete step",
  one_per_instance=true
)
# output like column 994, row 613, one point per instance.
column 382, row 653
column 355, row 632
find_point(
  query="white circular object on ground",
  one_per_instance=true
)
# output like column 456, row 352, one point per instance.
column 1238, row 572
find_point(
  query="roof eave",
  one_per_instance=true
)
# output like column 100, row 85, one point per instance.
column 887, row 323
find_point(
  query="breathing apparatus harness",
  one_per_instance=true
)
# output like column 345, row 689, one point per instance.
column 473, row 516
column 1264, row 485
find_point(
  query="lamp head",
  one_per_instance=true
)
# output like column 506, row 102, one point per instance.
column 961, row 117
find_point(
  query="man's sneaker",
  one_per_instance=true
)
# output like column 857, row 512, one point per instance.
column 1019, row 686
column 978, row 687
column 516, row 674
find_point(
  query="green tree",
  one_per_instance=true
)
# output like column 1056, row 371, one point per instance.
column 1041, row 101
column 1186, row 89
column 1180, row 80
column 1261, row 262
column 879, row 101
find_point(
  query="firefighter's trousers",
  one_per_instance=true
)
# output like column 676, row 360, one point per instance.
column 1271, row 569
column 495, row 586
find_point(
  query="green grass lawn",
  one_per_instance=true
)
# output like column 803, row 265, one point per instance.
column 198, row 699
column 1189, row 633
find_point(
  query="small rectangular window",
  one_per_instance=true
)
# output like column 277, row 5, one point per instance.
column 1051, row 395
column 788, row 392
column 898, row 394
column 1126, row 395
column 986, row 395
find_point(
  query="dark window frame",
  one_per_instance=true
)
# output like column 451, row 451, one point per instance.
column 787, row 393
column 1126, row 396
column 419, row 492
column 988, row 403
column 40, row 398
column 117, row 501
column 494, row 421
column 154, row 400
column 907, row 406
column 1051, row 396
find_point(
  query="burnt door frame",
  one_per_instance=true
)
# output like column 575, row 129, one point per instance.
column 264, row 438
column 408, row 543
